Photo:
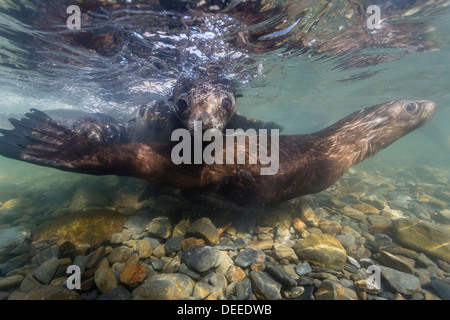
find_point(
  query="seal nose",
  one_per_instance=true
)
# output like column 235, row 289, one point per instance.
column 206, row 120
column 429, row 107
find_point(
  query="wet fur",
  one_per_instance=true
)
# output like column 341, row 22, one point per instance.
column 307, row 163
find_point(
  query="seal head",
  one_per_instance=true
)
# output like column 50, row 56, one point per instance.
column 206, row 99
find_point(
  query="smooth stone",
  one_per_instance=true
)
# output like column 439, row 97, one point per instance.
column 118, row 293
column 94, row 258
column 189, row 272
column 202, row 290
column 308, row 216
column 204, row 229
column 280, row 274
column 424, row 236
column 248, row 256
column 170, row 286
column 159, row 251
column 11, row 237
column 120, row 237
column 374, row 200
column 119, row 254
column 80, row 261
column 331, row 290
column 173, row 244
column 283, row 251
column 299, row 225
column 366, row 208
column 160, row 227
column 441, row 288
column 48, row 292
column 353, row 213
column 323, row 250
column 243, row 289
column 92, row 227
column 46, row 271
column 401, row 282
column 265, row 244
column 191, row 241
column 225, row 263
column 330, row 227
column 104, row 277
column 10, row 282
column 217, row 280
column 133, row 273
column 200, row 258
column 67, row 250
column 303, row 268
column 235, row 274
column 139, row 221
column 143, row 248
column 347, row 240
column 83, row 198
column 397, row 262
column 29, row 283
column 378, row 220
column 264, row 286
column 423, row 261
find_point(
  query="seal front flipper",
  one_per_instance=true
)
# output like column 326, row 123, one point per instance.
column 39, row 139
column 238, row 121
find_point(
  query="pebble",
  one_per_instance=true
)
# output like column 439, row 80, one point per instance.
column 104, row 277
column 397, row 262
column 303, row 268
column 401, row 282
column 332, row 290
column 323, row 250
column 172, row 286
column 279, row 273
column 248, row 256
column 283, row 251
column 46, row 271
column 423, row 236
column 173, row 244
column 264, row 285
column 120, row 254
column 204, row 229
column 48, row 292
column 118, row 293
column 95, row 257
column 143, row 248
column 244, row 289
column 200, row 258
column 133, row 273
column 10, row 282
column 159, row 227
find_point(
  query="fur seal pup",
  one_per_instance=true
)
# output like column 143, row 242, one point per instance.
column 308, row 163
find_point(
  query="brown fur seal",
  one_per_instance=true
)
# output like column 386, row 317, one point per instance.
column 307, row 163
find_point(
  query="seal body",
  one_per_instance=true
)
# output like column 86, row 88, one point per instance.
column 307, row 163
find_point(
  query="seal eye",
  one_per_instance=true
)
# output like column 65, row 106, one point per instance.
column 411, row 107
column 181, row 105
column 227, row 104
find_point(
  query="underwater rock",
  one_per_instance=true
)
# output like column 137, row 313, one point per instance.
column 200, row 258
column 264, row 285
column 49, row 292
column 104, row 277
column 248, row 256
column 172, row 286
column 204, row 229
column 46, row 271
column 401, row 282
column 143, row 248
column 11, row 238
column 90, row 227
column 159, row 227
column 133, row 273
column 10, row 282
column 331, row 290
column 323, row 250
column 83, row 198
column 423, row 236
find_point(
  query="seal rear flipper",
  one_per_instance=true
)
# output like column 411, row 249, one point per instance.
column 238, row 121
